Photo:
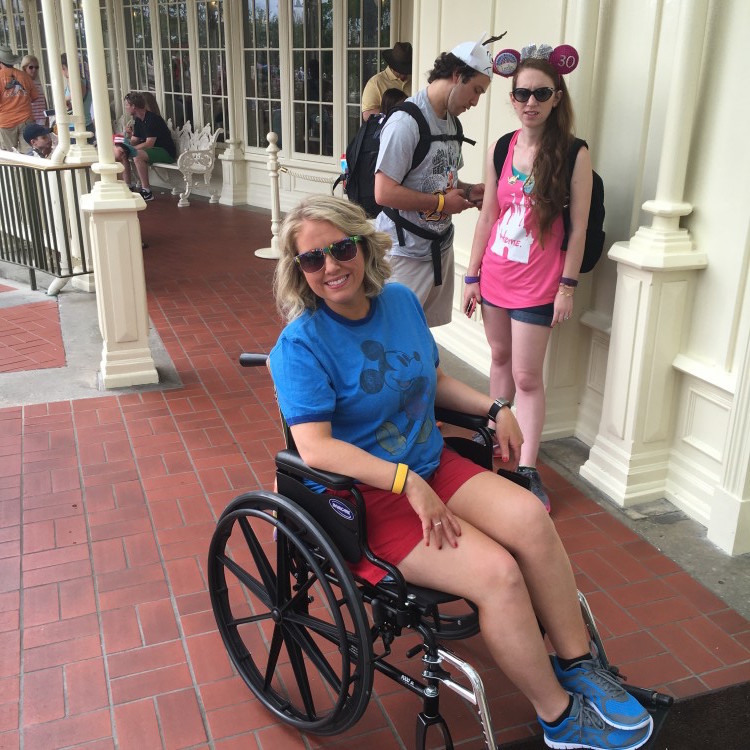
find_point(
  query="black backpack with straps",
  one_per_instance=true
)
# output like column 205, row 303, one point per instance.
column 362, row 155
column 594, row 244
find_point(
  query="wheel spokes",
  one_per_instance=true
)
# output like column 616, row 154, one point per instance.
column 273, row 655
column 300, row 673
column 259, row 556
column 316, row 656
column 247, row 580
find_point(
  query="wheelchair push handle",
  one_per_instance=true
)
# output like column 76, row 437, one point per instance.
column 253, row 359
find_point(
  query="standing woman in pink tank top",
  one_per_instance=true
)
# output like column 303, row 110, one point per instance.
column 517, row 270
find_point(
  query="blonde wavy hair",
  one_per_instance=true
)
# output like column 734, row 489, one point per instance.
column 291, row 290
column 27, row 60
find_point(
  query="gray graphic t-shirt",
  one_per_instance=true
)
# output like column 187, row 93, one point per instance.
column 438, row 171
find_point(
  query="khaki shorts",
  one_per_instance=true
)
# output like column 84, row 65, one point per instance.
column 12, row 137
column 417, row 274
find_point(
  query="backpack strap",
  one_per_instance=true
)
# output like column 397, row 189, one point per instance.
column 501, row 152
column 436, row 239
column 426, row 136
column 575, row 147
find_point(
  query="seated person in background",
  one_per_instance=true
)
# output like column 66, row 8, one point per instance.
column 357, row 377
column 151, row 140
column 396, row 75
column 38, row 137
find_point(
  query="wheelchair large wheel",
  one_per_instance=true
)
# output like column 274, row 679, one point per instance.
column 304, row 651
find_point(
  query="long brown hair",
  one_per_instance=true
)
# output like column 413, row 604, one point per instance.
column 551, row 161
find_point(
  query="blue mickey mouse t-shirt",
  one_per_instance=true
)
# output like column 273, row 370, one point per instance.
column 373, row 379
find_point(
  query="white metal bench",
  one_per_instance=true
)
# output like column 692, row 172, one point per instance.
column 196, row 157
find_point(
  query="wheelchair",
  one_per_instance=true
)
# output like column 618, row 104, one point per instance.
column 307, row 637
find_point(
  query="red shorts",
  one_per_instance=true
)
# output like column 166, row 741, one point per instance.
column 393, row 528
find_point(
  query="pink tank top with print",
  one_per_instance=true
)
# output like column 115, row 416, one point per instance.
column 516, row 270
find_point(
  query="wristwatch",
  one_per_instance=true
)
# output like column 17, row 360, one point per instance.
column 495, row 408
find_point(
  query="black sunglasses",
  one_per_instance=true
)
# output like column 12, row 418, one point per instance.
column 541, row 95
column 342, row 251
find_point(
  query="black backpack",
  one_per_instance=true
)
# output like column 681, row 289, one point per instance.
column 362, row 155
column 594, row 245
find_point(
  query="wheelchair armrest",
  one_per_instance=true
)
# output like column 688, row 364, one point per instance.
column 292, row 462
column 460, row 418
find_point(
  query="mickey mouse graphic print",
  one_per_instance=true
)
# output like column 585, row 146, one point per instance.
column 373, row 379
column 520, row 270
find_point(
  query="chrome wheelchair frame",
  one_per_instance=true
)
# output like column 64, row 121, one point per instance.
column 292, row 615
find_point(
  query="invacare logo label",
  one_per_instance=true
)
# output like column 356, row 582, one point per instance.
column 341, row 508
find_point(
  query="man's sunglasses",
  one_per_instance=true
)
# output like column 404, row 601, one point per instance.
column 541, row 95
column 342, row 251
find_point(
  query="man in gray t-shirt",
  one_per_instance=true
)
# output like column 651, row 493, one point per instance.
column 426, row 197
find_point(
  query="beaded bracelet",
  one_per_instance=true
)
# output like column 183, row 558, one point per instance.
column 399, row 480
column 564, row 293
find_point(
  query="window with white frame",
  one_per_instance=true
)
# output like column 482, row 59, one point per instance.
column 138, row 45
column 312, row 63
column 212, row 57
column 174, row 40
column 315, row 52
column 262, row 71
column 368, row 34
column 13, row 25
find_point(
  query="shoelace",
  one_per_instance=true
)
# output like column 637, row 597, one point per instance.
column 587, row 717
column 605, row 680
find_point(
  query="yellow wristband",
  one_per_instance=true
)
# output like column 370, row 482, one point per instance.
column 441, row 203
column 400, row 479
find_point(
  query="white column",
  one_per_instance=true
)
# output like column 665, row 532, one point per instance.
column 655, row 274
column 81, row 152
column 116, row 241
column 49, row 17
column 117, row 93
column 233, row 168
column 729, row 524
column 566, row 358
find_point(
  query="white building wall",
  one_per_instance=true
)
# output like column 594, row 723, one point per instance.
column 624, row 120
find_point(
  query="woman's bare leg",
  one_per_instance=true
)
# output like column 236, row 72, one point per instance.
column 516, row 520
column 529, row 349
column 481, row 570
column 497, row 329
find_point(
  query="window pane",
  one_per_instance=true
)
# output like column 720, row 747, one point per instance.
column 369, row 33
column 262, row 68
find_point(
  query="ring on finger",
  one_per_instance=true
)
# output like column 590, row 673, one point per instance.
column 437, row 523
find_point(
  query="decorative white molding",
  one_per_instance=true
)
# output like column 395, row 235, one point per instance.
column 717, row 376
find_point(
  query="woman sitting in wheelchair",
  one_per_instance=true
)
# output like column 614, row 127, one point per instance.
column 357, row 378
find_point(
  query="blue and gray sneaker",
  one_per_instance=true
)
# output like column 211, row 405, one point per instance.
column 584, row 728
column 604, row 693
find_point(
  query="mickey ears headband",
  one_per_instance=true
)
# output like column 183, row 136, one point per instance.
column 564, row 58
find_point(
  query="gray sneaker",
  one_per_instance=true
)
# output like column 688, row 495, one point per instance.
column 536, row 485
